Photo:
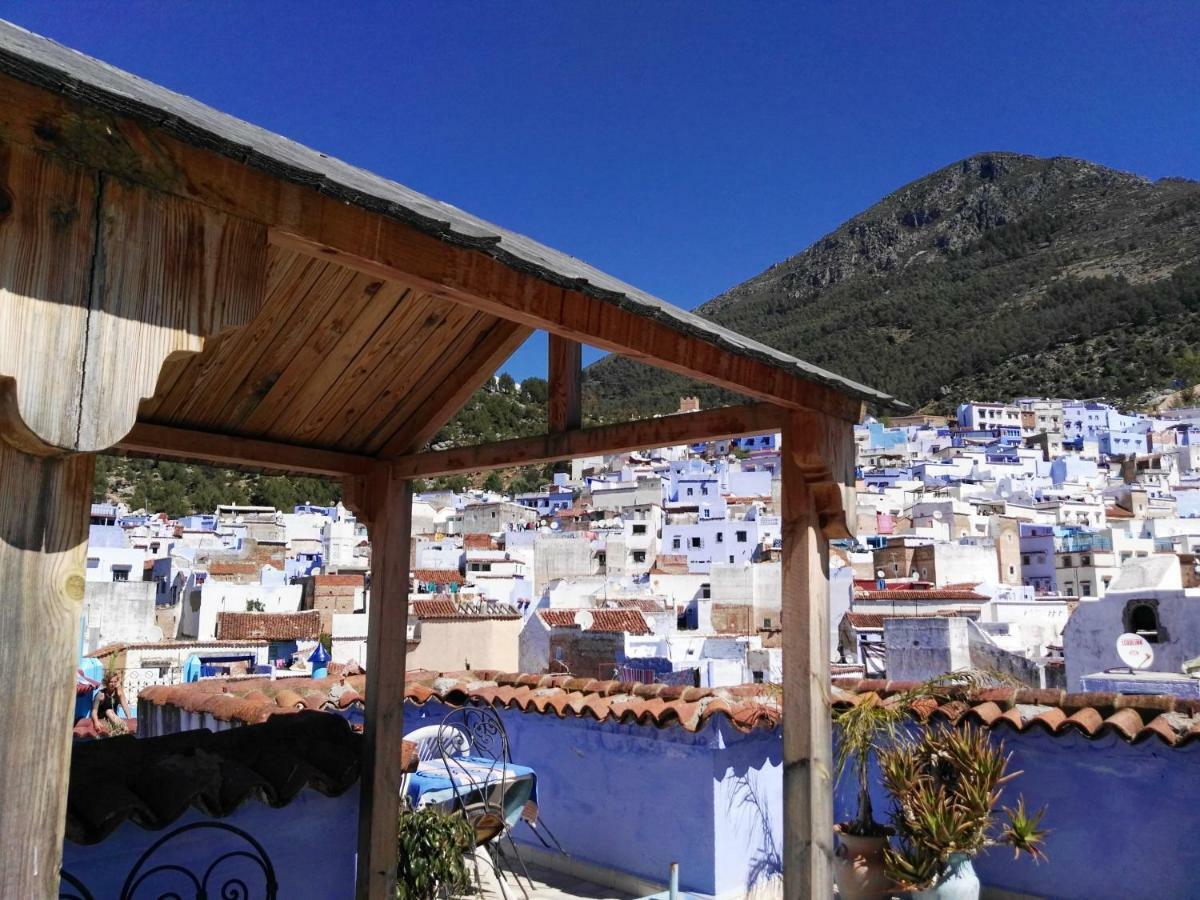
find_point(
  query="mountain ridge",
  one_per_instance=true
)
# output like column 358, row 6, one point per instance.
column 896, row 296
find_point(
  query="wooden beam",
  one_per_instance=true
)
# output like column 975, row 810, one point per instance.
column 44, row 507
column 683, row 428
column 388, row 502
column 565, row 409
column 227, row 449
column 807, row 713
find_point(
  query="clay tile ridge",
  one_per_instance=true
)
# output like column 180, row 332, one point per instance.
column 1133, row 717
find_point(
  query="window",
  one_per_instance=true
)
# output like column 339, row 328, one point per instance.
column 558, row 654
column 696, row 544
column 758, row 677
column 639, row 556
column 639, row 529
column 731, row 557
column 1085, row 589
column 1070, row 591
column 93, row 562
column 691, row 492
column 675, row 543
column 1141, row 617
column 767, row 622
column 1085, row 560
column 720, row 537
column 704, row 489
column 1068, row 562
column 741, row 537
column 120, row 573
column 706, row 590
column 1024, row 559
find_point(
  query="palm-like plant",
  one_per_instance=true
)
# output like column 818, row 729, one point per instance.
column 946, row 784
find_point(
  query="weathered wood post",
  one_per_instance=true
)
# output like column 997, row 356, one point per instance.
column 816, row 465
column 101, row 280
column 44, row 506
column 384, row 502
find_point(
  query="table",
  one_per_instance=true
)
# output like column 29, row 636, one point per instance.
column 434, row 784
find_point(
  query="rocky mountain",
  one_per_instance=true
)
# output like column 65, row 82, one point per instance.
column 997, row 276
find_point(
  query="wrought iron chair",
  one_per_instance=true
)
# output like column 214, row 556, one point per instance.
column 480, row 777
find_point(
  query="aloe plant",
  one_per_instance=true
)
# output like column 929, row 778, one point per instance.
column 947, row 784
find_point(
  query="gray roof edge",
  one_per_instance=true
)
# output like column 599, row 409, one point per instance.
column 45, row 63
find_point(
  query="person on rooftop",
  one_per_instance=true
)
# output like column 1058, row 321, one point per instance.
column 108, row 700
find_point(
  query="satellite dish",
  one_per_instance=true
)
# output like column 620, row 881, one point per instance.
column 937, row 514
column 1135, row 651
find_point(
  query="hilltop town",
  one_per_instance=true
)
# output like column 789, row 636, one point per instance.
column 1005, row 538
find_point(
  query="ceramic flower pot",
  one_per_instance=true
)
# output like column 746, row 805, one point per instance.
column 959, row 883
column 858, row 867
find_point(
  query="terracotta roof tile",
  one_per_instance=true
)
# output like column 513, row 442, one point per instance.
column 337, row 581
column 291, row 626
column 875, row 620
column 963, row 596
column 445, row 607
column 437, row 576
column 1135, row 717
column 630, row 621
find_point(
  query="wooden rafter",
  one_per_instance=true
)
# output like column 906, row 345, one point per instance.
column 565, row 403
column 683, row 428
column 227, row 449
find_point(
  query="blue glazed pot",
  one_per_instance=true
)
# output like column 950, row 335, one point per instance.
column 959, row 883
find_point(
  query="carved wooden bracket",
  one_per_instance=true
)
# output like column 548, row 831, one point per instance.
column 104, row 282
column 823, row 449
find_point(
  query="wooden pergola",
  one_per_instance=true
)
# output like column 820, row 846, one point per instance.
column 179, row 283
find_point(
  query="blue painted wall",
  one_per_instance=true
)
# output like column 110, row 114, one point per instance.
column 311, row 843
column 1120, row 817
column 637, row 798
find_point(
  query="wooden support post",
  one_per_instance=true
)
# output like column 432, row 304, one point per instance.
column 566, row 384
column 384, row 501
column 807, row 725
column 44, row 507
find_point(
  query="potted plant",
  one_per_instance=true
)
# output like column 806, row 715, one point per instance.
column 858, row 866
column 946, row 784
column 433, row 849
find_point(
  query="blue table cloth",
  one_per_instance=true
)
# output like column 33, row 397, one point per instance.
column 433, row 784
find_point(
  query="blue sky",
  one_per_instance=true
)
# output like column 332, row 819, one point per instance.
column 683, row 147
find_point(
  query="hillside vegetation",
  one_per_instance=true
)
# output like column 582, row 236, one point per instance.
column 997, row 276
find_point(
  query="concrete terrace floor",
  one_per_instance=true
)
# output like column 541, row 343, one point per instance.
column 548, row 884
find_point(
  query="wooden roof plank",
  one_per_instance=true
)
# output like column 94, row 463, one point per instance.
column 368, row 373
column 310, row 370
column 489, row 353
column 408, row 374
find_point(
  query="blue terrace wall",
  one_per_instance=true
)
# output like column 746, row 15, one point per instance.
column 636, row 798
column 311, row 844
column 1120, row 815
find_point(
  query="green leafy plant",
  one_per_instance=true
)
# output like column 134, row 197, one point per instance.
column 946, row 784
column 433, row 847
column 255, row 605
